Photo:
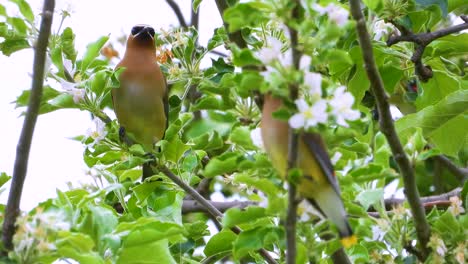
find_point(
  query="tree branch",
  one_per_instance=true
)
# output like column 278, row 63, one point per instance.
column 176, row 8
column 428, row 201
column 460, row 174
column 422, row 40
column 387, row 127
column 24, row 143
column 235, row 37
column 210, row 208
column 192, row 206
column 195, row 17
column 292, row 151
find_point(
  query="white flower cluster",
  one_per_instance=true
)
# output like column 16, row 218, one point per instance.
column 33, row 235
column 99, row 133
column 335, row 13
column 70, row 87
column 309, row 115
column 339, row 107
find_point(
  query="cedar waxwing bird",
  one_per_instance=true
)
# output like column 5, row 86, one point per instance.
column 140, row 103
column 318, row 183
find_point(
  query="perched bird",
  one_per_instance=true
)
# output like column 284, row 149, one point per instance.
column 318, row 183
column 141, row 103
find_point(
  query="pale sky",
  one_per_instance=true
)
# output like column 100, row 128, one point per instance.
column 54, row 158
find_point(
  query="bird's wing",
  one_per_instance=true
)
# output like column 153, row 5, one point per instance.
column 317, row 148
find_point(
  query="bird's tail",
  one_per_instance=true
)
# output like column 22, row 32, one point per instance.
column 329, row 202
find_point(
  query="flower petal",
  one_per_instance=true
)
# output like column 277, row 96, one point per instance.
column 297, row 121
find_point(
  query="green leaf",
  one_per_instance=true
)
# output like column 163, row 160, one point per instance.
column 77, row 246
column 25, row 9
column 67, row 41
column 249, row 81
column 225, row 163
column 442, row 4
column 208, row 141
column 220, row 242
column 236, row 216
column 254, row 239
column 370, row 197
column 359, row 84
column 436, row 89
column 98, row 82
column 196, row 5
column 174, row 149
column 4, row 178
column 454, row 4
column 241, row 137
column 92, row 52
column 218, row 39
column 133, row 175
column 10, row 46
column 359, row 254
column 447, row 117
column 374, row 5
column 147, row 252
column 209, row 102
column 391, row 76
column 244, row 57
column 450, row 45
column 19, row 25
column 447, row 224
column 339, row 62
column 64, row 100
column 3, row 11
column 244, row 15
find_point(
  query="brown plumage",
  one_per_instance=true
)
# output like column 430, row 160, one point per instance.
column 140, row 102
column 318, row 183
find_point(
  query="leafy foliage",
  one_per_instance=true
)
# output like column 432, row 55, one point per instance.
column 213, row 115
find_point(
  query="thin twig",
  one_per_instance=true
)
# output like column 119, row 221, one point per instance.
column 422, row 40
column 195, row 17
column 192, row 206
column 24, row 142
column 387, row 127
column 427, row 201
column 176, row 8
column 211, row 209
column 235, row 37
column 292, row 150
column 459, row 173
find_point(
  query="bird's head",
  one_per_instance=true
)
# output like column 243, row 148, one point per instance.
column 141, row 36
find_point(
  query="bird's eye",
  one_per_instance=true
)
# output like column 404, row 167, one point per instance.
column 151, row 31
column 136, row 30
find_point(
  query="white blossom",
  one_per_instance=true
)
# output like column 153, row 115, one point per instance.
column 380, row 229
column 71, row 89
column 305, row 62
column 306, row 210
column 341, row 104
column 256, row 137
column 314, row 82
column 99, row 133
column 335, row 13
column 381, row 29
column 456, row 207
column 438, row 245
column 460, row 252
column 272, row 51
column 336, row 157
column 309, row 116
